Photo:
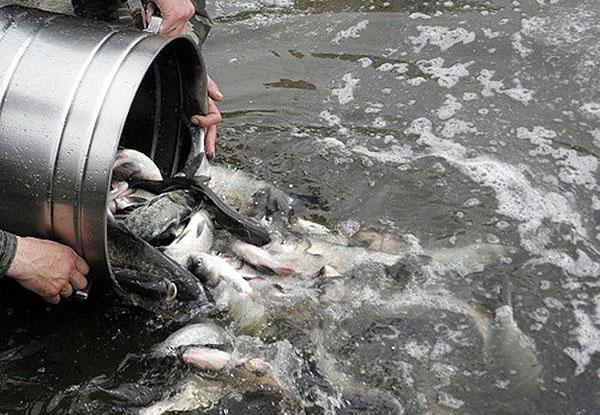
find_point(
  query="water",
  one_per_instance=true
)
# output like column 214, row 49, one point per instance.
column 459, row 123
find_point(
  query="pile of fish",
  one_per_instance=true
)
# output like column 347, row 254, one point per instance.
column 246, row 273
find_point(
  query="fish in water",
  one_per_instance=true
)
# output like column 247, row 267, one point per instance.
column 213, row 269
column 131, row 257
column 260, row 258
column 511, row 349
column 198, row 334
column 242, row 227
column 196, row 237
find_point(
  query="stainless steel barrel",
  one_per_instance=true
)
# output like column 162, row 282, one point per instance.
column 71, row 91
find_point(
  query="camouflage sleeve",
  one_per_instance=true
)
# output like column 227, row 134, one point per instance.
column 8, row 249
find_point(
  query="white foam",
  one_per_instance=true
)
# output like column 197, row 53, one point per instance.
column 441, row 36
column 416, row 350
column 572, row 168
column 446, row 77
column 591, row 108
column 333, row 121
column 489, row 33
column 419, row 16
column 365, row 62
column 451, row 105
column 416, row 81
column 470, row 96
column 449, row 401
column 395, row 154
column 596, row 137
column 588, row 337
column 595, row 202
column 519, row 93
column 351, row 32
column 345, row 94
column 519, row 199
column 491, row 87
column 517, row 44
column 455, row 126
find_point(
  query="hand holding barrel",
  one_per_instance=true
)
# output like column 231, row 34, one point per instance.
column 175, row 15
column 211, row 119
column 47, row 268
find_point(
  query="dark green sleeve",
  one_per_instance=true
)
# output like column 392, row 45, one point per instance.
column 8, row 249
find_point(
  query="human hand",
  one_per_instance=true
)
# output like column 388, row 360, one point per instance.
column 175, row 15
column 210, row 120
column 47, row 268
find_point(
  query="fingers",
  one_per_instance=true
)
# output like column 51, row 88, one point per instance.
column 172, row 29
column 175, row 16
column 81, row 265
column 150, row 10
column 66, row 291
column 77, row 280
column 212, row 118
column 209, row 121
column 53, row 300
column 213, row 91
column 210, row 141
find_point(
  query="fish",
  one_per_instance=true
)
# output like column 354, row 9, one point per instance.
column 511, row 349
column 206, row 358
column 213, row 269
column 155, row 221
column 145, row 284
column 196, row 237
column 132, row 163
column 197, row 334
column 244, row 228
column 131, row 256
column 260, row 258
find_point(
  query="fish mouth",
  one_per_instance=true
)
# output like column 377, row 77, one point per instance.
column 131, row 282
column 171, row 291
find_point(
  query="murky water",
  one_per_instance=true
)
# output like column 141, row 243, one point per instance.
column 471, row 131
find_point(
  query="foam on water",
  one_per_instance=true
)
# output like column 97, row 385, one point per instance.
column 519, row 199
column 596, row 137
column 455, row 126
column 492, row 87
column 517, row 44
column 572, row 168
column 449, row 401
column 440, row 36
column 351, row 32
column 449, row 108
column 333, row 121
column 588, row 336
column 345, row 94
column 446, row 77
column 397, row 154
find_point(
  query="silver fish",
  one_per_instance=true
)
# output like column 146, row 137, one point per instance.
column 199, row 334
column 213, row 269
column 132, row 163
column 196, row 237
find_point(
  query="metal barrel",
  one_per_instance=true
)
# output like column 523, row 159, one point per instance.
column 71, row 92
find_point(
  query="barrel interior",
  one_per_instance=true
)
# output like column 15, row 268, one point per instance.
column 167, row 94
column 173, row 88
